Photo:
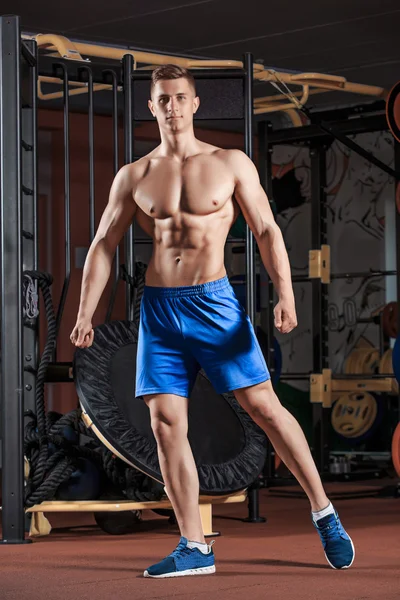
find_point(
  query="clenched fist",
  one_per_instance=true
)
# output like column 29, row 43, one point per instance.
column 285, row 316
column 82, row 334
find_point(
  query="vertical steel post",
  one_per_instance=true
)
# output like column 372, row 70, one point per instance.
column 127, row 66
column 253, row 495
column 87, row 73
column 60, row 67
column 12, row 395
column 319, row 302
column 29, row 209
column 248, row 145
column 265, row 170
column 113, row 76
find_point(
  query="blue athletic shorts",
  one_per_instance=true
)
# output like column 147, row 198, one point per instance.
column 183, row 329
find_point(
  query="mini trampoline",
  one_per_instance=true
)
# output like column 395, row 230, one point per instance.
column 228, row 447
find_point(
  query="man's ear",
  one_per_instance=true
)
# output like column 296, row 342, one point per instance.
column 196, row 104
column 151, row 107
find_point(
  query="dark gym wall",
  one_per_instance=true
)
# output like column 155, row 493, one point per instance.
column 360, row 199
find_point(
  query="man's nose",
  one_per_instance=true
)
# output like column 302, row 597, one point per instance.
column 172, row 105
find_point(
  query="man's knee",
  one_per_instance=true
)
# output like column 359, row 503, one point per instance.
column 261, row 403
column 167, row 421
column 263, row 411
column 166, row 427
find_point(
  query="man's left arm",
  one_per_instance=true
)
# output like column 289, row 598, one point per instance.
column 256, row 209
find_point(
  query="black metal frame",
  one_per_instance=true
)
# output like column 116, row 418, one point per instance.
column 319, row 300
column 30, row 234
column 61, row 69
column 12, row 392
column 304, row 134
column 332, row 131
column 85, row 74
column 318, row 139
column 265, row 172
column 127, row 67
column 110, row 74
column 253, row 492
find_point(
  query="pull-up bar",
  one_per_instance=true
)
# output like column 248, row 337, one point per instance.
column 61, row 46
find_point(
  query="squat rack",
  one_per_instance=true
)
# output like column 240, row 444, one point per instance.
column 322, row 382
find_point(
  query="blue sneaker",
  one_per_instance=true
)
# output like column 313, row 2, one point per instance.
column 338, row 546
column 184, row 561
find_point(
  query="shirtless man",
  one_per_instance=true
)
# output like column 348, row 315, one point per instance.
column 186, row 195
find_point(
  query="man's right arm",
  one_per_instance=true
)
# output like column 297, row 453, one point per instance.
column 114, row 222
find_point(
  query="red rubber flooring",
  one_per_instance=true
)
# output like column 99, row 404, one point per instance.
column 278, row 560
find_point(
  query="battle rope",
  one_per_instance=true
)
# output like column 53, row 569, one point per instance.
column 48, row 471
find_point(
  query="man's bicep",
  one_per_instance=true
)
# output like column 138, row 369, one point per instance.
column 120, row 210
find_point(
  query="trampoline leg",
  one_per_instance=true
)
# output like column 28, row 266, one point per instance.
column 206, row 520
column 254, row 506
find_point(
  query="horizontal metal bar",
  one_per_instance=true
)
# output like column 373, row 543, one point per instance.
column 375, row 320
column 355, row 113
column 349, row 126
column 364, row 274
column 234, row 240
column 295, row 376
column 203, row 74
column 339, row 376
column 46, row 68
column 381, row 455
column 301, row 278
column 361, row 376
column 59, row 372
column 346, row 141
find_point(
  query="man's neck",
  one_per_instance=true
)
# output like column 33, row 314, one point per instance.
column 179, row 146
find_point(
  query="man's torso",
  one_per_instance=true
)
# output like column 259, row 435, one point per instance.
column 188, row 209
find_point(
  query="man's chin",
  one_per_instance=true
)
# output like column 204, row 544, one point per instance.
column 176, row 125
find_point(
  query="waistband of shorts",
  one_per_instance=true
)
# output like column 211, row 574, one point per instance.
column 189, row 290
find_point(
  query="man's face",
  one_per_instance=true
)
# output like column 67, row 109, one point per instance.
column 173, row 103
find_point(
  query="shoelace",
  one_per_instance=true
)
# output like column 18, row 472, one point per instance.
column 181, row 550
column 331, row 529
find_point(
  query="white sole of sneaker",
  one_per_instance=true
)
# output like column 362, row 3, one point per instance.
column 347, row 566
column 202, row 571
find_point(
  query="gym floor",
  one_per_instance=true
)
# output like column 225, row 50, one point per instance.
column 279, row 559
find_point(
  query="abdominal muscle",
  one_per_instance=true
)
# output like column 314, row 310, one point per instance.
column 188, row 250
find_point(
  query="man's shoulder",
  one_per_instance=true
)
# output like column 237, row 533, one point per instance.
column 233, row 157
column 137, row 169
column 225, row 154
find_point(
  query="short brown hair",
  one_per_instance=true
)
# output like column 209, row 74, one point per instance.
column 171, row 72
